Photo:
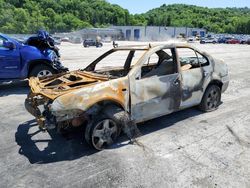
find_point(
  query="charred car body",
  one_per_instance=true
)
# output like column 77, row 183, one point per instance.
column 153, row 81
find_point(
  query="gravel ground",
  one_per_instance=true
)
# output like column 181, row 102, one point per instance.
column 184, row 149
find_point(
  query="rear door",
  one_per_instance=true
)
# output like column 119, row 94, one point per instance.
column 9, row 61
column 193, row 77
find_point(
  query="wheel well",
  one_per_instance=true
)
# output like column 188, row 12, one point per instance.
column 216, row 82
column 97, row 107
column 38, row 62
column 102, row 104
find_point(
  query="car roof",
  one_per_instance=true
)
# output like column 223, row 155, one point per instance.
column 151, row 46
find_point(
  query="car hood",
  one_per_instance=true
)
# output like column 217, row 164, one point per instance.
column 60, row 84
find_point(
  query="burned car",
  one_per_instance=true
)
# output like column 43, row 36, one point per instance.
column 145, row 82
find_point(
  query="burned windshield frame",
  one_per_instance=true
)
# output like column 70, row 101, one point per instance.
column 127, row 64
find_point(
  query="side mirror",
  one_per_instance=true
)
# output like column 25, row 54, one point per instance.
column 9, row 45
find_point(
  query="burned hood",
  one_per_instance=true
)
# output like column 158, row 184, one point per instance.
column 57, row 85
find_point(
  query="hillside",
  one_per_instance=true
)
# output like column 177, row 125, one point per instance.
column 229, row 20
column 27, row 16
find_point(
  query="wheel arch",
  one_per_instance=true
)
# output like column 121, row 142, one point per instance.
column 96, row 109
column 215, row 82
column 100, row 105
column 212, row 82
column 34, row 63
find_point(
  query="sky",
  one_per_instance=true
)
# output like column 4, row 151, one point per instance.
column 141, row 6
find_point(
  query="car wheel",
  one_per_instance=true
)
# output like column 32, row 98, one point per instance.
column 42, row 71
column 211, row 99
column 105, row 129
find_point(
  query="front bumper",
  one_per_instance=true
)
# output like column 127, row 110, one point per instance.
column 43, row 117
column 38, row 106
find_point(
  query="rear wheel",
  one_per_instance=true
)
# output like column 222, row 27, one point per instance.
column 42, row 71
column 211, row 99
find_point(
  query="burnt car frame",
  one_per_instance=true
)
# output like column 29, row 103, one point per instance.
column 163, row 79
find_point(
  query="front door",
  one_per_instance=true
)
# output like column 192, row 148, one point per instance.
column 155, row 90
column 9, row 62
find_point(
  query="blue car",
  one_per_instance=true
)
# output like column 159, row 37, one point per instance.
column 20, row 61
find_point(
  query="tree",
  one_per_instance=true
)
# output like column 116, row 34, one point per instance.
column 27, row 16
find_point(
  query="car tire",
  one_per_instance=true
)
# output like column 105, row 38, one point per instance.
column 105, row 128
column 41, row 71
column 211, row 99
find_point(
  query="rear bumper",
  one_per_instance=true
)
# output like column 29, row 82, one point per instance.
column 225, row 81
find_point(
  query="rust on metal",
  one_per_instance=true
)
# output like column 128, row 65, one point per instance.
column 143, row 90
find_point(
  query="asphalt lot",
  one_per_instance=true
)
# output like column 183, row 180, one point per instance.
column 184, row 149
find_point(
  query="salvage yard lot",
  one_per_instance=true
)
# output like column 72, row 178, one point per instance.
column 184, row 149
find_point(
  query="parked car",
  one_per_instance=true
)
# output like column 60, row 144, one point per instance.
column 233, row 41
column 152, row 81
column 20, row 61
column 65, row 39
column 191, row 39
column 224, row 39
column 248, row 41
column 91, row 42
column 208, row 40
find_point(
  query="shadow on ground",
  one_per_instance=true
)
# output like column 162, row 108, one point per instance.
column 17, row 88
column 60, row 148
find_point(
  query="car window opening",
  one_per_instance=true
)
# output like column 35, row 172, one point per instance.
column 163, row 65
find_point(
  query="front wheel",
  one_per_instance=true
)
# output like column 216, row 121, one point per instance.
column 211, row 99
column 104, row 133
column 105, row 128
column 42, row 71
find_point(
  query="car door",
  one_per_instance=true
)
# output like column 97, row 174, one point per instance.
column 156, row 92
column 193, row 77
column 9, row 61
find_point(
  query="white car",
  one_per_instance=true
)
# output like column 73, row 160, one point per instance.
column 152, row 81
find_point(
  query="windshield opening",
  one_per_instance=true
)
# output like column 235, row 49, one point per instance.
column 116, row 63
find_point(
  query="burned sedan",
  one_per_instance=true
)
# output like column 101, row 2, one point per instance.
column 145, row 82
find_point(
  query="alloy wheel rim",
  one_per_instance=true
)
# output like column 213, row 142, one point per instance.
column 213, row 99
column 104, row 134
column 43, row 73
